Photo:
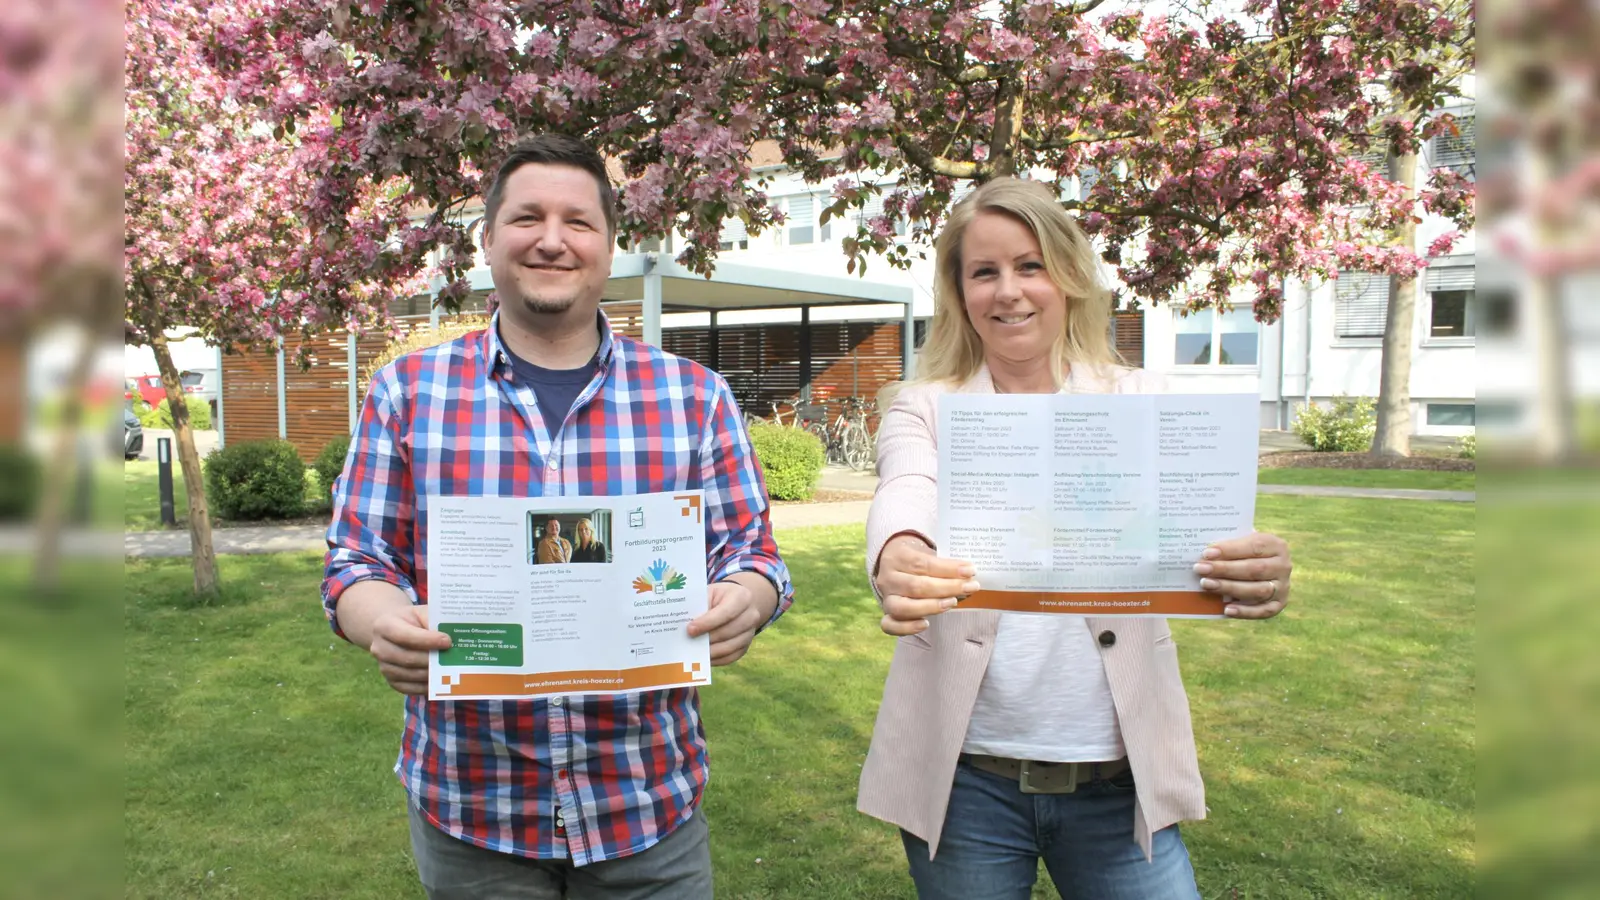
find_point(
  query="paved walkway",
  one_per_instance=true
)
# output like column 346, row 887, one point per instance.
column 296, row 538
column 1313, row 490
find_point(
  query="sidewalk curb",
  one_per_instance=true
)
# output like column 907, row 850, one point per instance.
column 303, row 538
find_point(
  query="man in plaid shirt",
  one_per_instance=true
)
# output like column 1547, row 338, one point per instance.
column 572, row 796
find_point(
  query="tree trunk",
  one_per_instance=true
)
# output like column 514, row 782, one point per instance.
column 1393, row 436
column 65, row 460
column 203, row 555
column 1555, row 434
column 1007, row 122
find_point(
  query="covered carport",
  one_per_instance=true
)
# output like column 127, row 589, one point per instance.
column 661, row 285
column 263, row 395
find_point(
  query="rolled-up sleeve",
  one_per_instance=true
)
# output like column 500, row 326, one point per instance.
column 374, row 507
column 738, row 522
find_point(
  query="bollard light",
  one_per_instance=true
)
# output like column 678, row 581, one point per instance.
column 169, row 514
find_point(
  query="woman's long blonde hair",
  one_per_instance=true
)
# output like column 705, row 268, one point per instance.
column 583, row 535
column 953, row 353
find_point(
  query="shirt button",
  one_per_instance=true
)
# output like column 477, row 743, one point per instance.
column 555, row 464
column 1107, row 638
column 561, row 701
column 561, row 773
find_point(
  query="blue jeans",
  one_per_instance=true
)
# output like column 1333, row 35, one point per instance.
column 995, row 835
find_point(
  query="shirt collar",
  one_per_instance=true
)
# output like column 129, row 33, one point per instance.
column 500, row 357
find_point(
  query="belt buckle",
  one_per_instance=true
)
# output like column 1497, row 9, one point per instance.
column 1057, row 778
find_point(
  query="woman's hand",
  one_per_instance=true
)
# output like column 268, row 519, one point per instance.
column 1251, row 572
column 915, row 583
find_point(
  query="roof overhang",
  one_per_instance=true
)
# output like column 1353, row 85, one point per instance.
column 733, row 286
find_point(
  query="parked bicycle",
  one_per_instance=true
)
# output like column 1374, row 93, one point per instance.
column 846, row 439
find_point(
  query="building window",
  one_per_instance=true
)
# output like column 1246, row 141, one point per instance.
column 1361, row 304
column 800, row 220
column 1452, row 310
column 1496, row 311
column 1205, row 338
column 1456, row 415
column 1451, row 314
column 734, row 236
column 872, row 209
column 1458, row 152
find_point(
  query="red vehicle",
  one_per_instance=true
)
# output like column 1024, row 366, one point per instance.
column 148, row 387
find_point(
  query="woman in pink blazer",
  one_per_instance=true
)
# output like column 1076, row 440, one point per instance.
column 1004, row 740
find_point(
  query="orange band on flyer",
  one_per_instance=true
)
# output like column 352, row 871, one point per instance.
column 467, row 685
column 1099, row 603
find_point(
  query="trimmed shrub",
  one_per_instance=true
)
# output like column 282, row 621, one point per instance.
column 791, row 459
column 330, row 462
column 1467, row 447
column 1345, row 427
column 161, row 415
column 20, row 480
column 256, row 480
column 422, row 338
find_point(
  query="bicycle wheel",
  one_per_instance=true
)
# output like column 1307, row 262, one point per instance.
column 820, row 430
column 857, row 447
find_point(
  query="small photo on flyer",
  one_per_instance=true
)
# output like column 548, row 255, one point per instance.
column 562, row 537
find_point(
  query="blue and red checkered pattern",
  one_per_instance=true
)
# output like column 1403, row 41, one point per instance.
column 617, row 772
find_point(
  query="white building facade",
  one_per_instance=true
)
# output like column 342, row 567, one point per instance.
column 1328, row 342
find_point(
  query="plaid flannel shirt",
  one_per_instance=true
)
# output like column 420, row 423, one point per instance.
column 585, row 778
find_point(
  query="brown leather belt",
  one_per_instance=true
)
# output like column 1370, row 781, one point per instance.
column 1034, row 777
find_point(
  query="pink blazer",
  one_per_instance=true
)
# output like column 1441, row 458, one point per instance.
column 934, row 678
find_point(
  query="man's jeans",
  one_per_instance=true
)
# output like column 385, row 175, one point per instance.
column 676, row 868
column 995, row 835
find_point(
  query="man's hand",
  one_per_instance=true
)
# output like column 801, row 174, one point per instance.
column 916, row 583
column 733, row 614
column 400, row 643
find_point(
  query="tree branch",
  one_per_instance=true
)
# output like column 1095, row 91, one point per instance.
column 920, row 157
column 1045, row 146
column 1150, row 210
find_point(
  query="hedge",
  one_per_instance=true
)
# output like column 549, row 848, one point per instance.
column 256, row 480
column 1347, row 427
column 161, row 415
column 330, row 462
column 791, row 459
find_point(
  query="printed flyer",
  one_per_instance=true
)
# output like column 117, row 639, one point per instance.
column 1094, row 504
column 566, row 595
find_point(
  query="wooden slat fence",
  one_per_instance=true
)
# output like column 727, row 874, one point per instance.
column 1128, row 331
column 762, row 364
column 316, row 401
column 11, row 397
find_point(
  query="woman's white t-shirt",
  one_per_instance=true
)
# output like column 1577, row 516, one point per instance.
column 1045, row 695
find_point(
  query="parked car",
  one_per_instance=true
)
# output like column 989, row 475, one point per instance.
column 132, row 435
column 148, row 387
column 201, row 383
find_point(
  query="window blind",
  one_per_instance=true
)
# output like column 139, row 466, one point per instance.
column 1452, row 275
column 1361, row 304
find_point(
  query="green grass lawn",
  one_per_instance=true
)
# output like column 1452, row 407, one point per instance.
column 1373, row 478
column 142, row 497
column 1337, row 741
column 61, row 698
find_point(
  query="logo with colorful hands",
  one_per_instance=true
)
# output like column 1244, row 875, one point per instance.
column 659, row 578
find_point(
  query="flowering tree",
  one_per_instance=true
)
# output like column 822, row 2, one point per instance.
column 1411, row 121
column 1542, row 199
column 216, row 235
column 1220, row 145
column 60, row 192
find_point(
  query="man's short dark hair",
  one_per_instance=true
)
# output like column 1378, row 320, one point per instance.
column 551, row 150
